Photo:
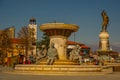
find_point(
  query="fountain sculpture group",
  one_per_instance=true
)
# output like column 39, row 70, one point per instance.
column 57, row 60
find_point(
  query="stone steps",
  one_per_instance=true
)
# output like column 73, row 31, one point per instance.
column 58, row 73
column 115, row 66
column 59, row 62
column 58, row 68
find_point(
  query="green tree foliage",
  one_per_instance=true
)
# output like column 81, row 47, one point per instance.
column 45, row 40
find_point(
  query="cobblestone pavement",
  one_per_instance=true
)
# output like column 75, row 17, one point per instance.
column 9, row 76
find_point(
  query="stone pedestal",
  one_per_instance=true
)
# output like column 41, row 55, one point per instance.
column 104, row 47
column 60, row 45
column 104, row 41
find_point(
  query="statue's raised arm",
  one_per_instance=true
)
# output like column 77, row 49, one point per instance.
column 105, row 20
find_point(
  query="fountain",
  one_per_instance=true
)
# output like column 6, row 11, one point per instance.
column 59, row 33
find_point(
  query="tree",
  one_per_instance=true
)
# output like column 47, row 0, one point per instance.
column 45, row 40
column 5, row 44
column 26, row 39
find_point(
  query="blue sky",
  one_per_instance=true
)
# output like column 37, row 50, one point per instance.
column 84, row 13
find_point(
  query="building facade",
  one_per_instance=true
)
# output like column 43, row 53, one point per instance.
column 33, row 34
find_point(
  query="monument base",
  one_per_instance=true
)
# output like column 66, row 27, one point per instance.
column 104, row 55
column 58, row 62
column 58, row 68
column 104, row 52
column 61, row 68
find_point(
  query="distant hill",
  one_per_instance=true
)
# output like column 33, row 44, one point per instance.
column 115, row 48
column 93, row 47
column 96, row 47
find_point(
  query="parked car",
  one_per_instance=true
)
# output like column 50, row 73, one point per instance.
column 117, row 60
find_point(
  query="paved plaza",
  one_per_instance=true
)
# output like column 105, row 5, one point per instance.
column 8, row 76
column 5, row 74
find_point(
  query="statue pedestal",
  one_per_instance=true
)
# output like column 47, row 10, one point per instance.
column 104, row 49
column 60, row 45
column 104, row 55
column 104, row 41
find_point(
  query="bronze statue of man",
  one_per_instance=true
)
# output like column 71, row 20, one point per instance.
column 105, row 20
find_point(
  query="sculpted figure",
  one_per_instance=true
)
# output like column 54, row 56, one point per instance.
column 105, row 20
column 75, row 54
column 51, row 54
column 42, row 53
